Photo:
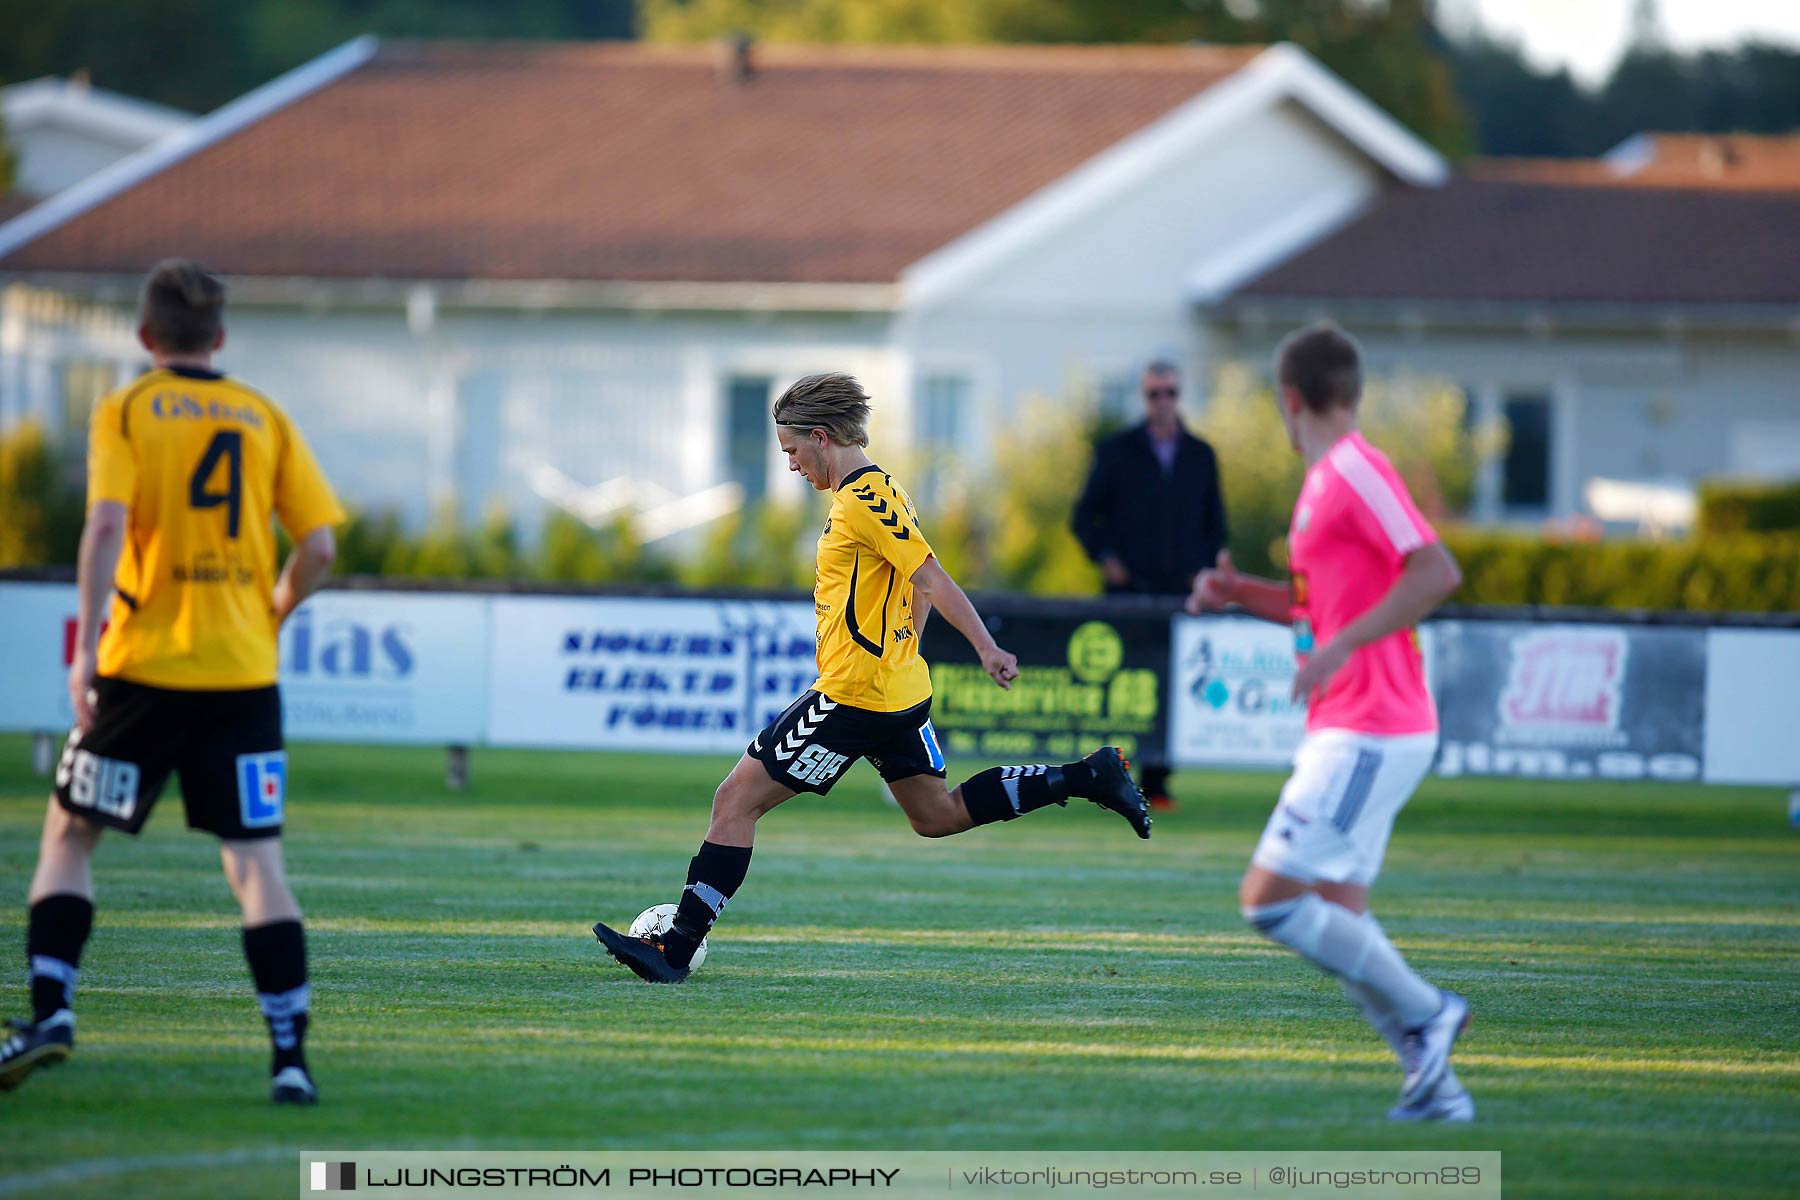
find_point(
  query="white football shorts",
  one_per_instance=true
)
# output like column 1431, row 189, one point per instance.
column 1338, row 807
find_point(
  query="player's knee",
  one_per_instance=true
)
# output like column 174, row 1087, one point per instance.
column 1268, row 919
column 734, row 802
column 726, row 800
column 933, row 824
column 70, row 831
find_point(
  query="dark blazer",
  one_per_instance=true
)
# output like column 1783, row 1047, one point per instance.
column 1164, row 526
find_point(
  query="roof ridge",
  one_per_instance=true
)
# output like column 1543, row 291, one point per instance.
column 930, row 56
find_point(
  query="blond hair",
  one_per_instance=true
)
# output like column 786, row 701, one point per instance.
column 834, row 402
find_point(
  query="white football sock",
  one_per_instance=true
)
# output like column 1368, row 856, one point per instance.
column 1332, row 937
column 1384, row 1022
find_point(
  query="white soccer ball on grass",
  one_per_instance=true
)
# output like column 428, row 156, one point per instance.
column 655, row 921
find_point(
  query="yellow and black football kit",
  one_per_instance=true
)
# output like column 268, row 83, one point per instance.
column 873, row 696
column 868, row 649
column 203, row 463
column 187, row 664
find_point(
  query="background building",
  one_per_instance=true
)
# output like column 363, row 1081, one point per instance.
column 575, row 275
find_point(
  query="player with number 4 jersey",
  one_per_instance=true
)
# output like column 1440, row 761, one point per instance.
column 187, row 471
column 877, row 583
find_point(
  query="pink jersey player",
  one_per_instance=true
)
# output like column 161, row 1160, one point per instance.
column 1366, row 569
column 1354, row 525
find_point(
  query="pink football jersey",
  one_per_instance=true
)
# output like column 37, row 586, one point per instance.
column 1354, row 524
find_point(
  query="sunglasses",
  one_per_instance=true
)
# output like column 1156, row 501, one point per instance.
column 1164, row 393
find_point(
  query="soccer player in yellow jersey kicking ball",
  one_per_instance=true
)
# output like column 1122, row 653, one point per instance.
column 186, row 468
column 877, row 583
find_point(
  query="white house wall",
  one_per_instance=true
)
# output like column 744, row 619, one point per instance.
column 1096, row 296
column 464, row 411
column 1650, row 407
column 52, row 157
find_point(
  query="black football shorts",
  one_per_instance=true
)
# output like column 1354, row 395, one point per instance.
column 808, row 747
column 226, row 747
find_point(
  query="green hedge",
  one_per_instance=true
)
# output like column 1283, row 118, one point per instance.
column 1727, row 573
column 1728, row 507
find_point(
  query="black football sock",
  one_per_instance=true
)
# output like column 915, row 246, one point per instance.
column 56, row 930
column 1080, row 779
column 1154, row 781
column 714, row 876
column 277, row 957
column 1006, row 793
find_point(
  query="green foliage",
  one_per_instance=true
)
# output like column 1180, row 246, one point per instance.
column 42, row 510
column 770, row 547
column 568, row 552
column 1726, row 573
column 1733, row 507
column 443, row 552
column 1518, row 108
column 1037, row 481
column 198, row 54
column 8, row 161
column 571, row 552
column 1258, row 470
column 365, row 543
column 1418, row 423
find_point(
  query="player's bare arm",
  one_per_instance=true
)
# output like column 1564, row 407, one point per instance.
column 933, row 583
column 307, row 566
column 1222, row 585
column 102, row 538
column 1428, row 578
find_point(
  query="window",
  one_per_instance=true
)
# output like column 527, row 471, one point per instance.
column 1525, row 474
column 84, row 381
column 748, row 434
column 943, row 399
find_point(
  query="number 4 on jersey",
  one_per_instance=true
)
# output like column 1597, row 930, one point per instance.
column 227, row 444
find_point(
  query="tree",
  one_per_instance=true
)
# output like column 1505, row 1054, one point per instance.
column 1520, row 110
column 1387, row 50
column 198, row 54
column 8, row 166
column 43, row 509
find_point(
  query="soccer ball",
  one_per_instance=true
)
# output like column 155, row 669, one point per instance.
column 656, row 920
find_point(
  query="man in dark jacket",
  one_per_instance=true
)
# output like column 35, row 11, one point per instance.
column 1152, row 516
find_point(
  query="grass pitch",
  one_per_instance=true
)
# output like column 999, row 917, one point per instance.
column 1632, row 953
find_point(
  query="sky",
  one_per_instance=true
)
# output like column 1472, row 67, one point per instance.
column 1588, row 36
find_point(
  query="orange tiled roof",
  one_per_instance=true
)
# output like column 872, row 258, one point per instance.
column 618, row 161
column 1721, row 162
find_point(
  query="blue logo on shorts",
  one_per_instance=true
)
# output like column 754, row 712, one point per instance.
column 262, row 786
column 928, row 735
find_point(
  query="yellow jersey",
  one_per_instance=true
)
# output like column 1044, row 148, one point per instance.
column 203, row 463
column 868, row 648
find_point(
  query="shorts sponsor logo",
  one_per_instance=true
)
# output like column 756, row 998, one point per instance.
column 262, row 788
column 106, row 785
column 933, row 751
column 817, row 765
